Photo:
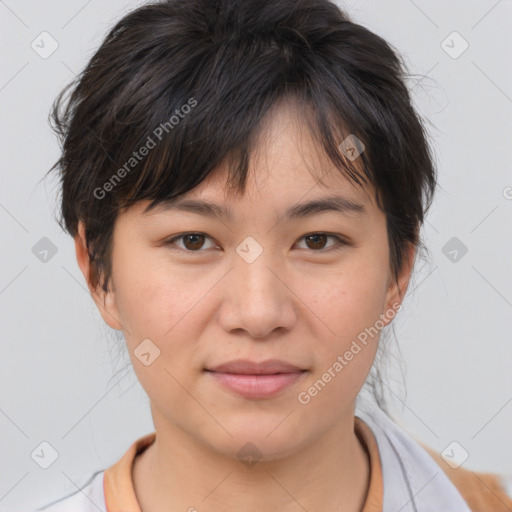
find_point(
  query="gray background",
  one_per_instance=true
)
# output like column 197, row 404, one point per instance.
column 66, row 379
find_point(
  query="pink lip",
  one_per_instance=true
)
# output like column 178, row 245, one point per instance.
column 256, row 380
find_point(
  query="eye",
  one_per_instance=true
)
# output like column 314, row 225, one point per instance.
column 317, row 241
column 192, row 242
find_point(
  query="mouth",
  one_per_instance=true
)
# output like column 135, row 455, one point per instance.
column 254, row 380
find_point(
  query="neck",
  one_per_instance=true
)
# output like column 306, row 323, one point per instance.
column 178, row 473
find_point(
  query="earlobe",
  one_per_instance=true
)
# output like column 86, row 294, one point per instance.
column 105, row 301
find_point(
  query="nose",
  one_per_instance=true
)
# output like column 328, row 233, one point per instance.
column 257, row 298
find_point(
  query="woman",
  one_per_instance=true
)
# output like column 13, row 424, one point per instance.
column 245, row 182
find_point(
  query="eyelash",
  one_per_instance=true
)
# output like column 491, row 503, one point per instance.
column 340, row 242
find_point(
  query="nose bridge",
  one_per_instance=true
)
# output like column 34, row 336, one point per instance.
column 253, row 272
column 256, row 298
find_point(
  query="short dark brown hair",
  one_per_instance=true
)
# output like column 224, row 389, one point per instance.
column 190, row 81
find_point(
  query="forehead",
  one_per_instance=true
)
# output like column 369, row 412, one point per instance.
column 288, row 150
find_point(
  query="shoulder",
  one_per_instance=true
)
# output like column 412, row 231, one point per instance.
column 483, row 492
column 89, row 498
column 408, row 463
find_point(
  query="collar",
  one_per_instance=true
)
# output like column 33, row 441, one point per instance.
column 120, row 494
column 413, row 482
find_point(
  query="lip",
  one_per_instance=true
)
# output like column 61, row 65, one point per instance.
column 245, row 366
column 256, row 380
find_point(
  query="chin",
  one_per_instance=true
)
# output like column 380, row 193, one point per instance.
column 258, row 439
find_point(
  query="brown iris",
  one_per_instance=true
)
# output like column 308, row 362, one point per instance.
column 193, row 241
column 318, row 240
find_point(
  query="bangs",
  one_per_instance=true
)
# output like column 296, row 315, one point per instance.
column 170, row 136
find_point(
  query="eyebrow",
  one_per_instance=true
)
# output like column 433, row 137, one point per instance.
column 338, row 204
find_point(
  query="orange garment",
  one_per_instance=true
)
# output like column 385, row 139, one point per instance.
column 375, row 495
column 120, row 495
column 482, row 491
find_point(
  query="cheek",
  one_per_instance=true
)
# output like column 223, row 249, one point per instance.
column 347, row 299
column 343, row 357
column 349, row 303
column 170, row 308
column 162, row 307
column 154, row 300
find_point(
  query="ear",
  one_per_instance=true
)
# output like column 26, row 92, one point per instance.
column 397, row 287
column 105, row 301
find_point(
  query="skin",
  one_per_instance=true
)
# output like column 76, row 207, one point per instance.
column 298, row 301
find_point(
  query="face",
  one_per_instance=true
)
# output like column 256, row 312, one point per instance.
column 205, row 290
